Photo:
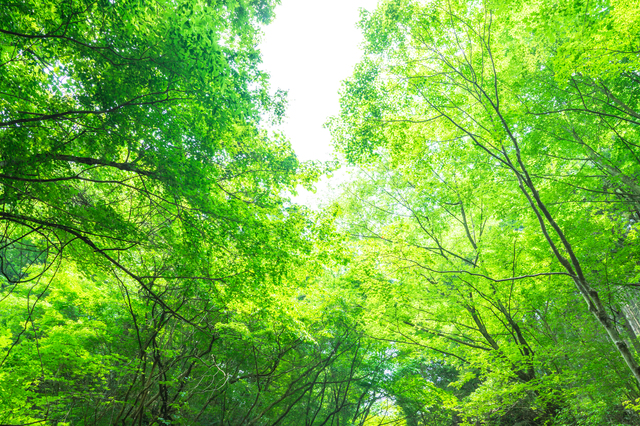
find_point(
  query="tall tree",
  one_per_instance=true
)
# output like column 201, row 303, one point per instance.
column 500, row 165
column 142, row 209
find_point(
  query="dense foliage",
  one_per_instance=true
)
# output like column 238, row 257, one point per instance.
column 497, row 206
column 481, row 267
column 145, row 240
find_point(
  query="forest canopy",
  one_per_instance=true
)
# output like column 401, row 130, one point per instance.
column 481, row 267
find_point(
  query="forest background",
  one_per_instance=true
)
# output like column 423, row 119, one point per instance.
column 481, row 268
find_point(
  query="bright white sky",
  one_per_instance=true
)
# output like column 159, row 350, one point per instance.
column 308, row 49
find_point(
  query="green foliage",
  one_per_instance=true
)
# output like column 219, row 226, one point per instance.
column 150, row 261
column 498, row 188
column 480, row 269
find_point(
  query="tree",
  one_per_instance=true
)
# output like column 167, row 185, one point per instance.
column 502, row 172
column 132, row 152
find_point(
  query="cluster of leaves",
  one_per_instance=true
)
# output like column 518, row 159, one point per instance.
column 86, row 350
column 495, row 215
